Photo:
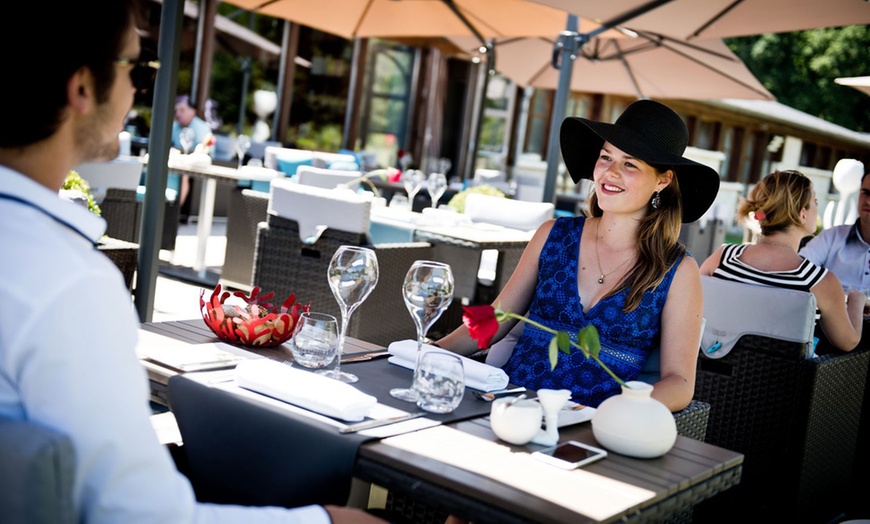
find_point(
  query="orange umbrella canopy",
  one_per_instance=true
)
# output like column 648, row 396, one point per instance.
column 861, row 83
column 641, row 65
column 417, row 18
column 689, row 19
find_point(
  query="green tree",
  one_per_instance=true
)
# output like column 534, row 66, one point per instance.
column 799, row 70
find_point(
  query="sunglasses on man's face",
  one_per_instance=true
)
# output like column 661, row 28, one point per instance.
column 144, row 70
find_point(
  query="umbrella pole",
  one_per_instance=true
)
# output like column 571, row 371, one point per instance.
column 567, row 47
column 168, row 46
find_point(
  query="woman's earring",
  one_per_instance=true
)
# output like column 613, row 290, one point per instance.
column 656, row 201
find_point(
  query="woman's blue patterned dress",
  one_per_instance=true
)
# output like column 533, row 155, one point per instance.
column 626, row 338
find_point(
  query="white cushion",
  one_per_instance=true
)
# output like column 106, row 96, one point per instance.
column 118, row 173
column 316, row 209
column 325, row 178
column 516, row 214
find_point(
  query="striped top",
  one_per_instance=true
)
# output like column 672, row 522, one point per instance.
column 802, row 278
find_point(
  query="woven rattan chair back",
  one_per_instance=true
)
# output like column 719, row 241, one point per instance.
column 285, row 264
column 794, row 418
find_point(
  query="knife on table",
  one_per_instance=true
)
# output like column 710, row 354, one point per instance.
column 367, row 356
column 353, row 428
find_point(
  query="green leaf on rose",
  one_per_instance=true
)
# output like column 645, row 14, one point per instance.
column 554, row 352
column 587, row 338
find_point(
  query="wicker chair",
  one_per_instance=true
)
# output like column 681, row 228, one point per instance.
column 124, row 254
column 794, row 418
column 123, row 214
column 284, row 264
column 246, row 209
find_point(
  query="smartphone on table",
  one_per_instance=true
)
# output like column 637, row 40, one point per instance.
column 570, row 455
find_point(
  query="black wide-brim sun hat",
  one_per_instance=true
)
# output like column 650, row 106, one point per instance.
column 651, row 132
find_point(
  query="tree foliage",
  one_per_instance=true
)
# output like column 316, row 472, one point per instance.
column 799, row 69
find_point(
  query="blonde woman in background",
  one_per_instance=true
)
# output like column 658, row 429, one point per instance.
column 785, row 206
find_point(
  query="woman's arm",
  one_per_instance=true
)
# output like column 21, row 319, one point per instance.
column 712, row 262
column 515, row 297
column 842, row 321
column 681, row 337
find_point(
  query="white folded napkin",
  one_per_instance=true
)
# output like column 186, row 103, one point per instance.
column 477, row 374
column 304, row 389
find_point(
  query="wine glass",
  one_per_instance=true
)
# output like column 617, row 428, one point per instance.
column 413, row 180
column 444, row 165
column 186, row 137
column 243, row 143
column 352, row 275
column 436, row 185
column 427, row 290
column 315, row 340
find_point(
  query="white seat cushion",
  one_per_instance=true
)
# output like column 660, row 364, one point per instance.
column 325, row 178
column 516, row 214
column 734, row 309
column 316, row 209
column 118, row 174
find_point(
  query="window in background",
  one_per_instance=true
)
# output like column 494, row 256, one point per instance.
column 494, row 139
column 384, row 122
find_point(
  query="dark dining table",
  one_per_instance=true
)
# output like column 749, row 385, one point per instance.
column 449, row 465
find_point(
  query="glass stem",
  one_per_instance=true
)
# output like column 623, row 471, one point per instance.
column 344, row 319
column 420, row 338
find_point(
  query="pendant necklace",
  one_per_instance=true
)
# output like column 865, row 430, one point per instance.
column 598, row 257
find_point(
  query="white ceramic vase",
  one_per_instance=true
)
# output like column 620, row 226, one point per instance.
column 635, row 424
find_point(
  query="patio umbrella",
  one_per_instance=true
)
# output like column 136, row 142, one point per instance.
column 642, row 65
column 482, row 19
column 861, row 83
column 689, row 19
column 686, row 20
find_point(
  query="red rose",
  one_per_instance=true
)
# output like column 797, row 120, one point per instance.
column 481, row 324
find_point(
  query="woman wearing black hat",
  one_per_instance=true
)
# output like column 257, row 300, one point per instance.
column 621, row 269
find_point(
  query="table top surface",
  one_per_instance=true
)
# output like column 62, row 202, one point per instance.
column 496, row 482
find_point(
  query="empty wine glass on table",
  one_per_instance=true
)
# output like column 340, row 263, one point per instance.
column 352, row 275
column 436, row 185
column 243, row 143
column 428, row 291
column 413, row 180
column 186, row 137
column 315, row 340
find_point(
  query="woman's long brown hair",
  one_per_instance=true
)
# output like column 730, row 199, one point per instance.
column 659, row 246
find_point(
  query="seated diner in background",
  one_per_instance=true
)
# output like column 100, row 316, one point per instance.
column 845, row 250
column 626, row 274
column 784, row 205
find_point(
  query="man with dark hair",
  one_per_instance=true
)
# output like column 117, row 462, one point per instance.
column 67, row 356
column 845, row 249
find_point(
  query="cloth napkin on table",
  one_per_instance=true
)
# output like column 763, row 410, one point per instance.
column 304, row 389
column 477, row 374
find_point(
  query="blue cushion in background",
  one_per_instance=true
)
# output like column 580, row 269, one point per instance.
column 344, row 166
column 288, row 166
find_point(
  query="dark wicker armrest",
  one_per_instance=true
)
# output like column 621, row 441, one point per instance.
column 692, row 420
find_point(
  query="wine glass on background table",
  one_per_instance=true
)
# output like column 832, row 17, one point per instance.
column 436, row 185
column 243, row 143
column 428, row 291
column 352, row 275
column 186, row 137
column 413, row 180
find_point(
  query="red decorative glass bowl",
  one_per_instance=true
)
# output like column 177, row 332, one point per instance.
column 252, row 321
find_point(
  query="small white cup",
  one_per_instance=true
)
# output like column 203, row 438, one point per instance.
column 518, row 423
column 440, row 382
